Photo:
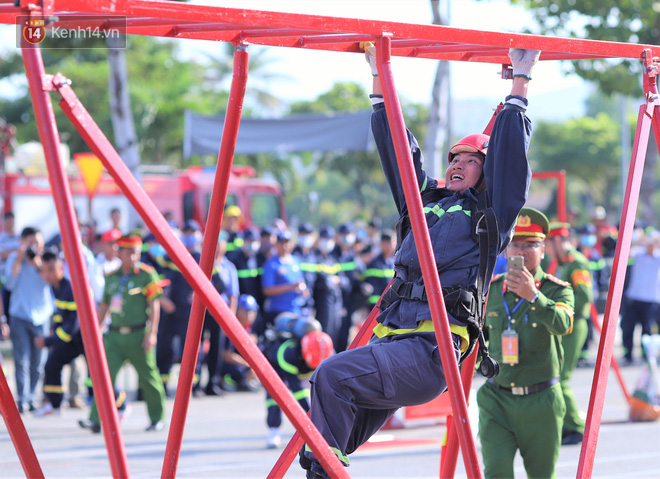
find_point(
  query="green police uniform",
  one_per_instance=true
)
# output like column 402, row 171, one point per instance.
column 574, row 269
column 128, row 297
column 523, row 407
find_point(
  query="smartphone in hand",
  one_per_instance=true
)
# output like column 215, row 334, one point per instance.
column 515, row 262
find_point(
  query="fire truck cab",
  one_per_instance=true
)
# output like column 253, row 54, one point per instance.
column 184, row 194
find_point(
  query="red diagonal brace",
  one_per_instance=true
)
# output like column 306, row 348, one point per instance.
column 17, row 432
column 211, row 233
column 291, row 450
column 426, row 257
column 104, row 392
column 648, row 115
column 154, row 220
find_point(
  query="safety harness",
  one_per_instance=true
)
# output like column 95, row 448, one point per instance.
column 464, row 304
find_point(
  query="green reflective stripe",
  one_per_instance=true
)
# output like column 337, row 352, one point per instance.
column 63, row 335
column 270, row 403
column 247, row 273
column 373, row 299
column 348, row 266
column 337, row 452
column 66, row 305
column 88, row 382
column 426, row 180
column 303, row 393
column 229, row 380
column 378, row 273
column 597, row 265
column 231, row 247
column 289, row 368
column 324, row 268
column 308, row 267
column 261, row 271
column 236, row 244
column 439, row 212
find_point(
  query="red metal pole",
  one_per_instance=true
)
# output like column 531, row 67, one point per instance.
column 17, row 433
column 154, row 220
column 561, row 195
column 103, row 390
column 291, row 450
column 450, row 458
column 601, row 373
column 427, row 259
column 211, row 233
column 615, row 363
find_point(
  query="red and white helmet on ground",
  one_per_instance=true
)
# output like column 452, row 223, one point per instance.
column 316, row 346
column 477, row 142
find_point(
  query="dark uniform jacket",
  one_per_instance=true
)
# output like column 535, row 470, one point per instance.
column 507, row 177
column 66, row 315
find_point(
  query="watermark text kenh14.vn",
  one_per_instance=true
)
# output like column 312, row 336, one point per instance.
column 71, row 31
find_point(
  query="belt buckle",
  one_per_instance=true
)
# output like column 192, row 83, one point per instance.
column 417, row 291
column 519, row 391
column 124, row 329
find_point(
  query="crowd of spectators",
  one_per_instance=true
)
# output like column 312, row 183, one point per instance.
column 334, row 276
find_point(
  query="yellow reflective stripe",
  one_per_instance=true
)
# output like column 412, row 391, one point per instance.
column 324, row 268
column 54, row 389
column 378, row 273
column 303, row 393
column 65, row 305
column 121, row 399
column 439, row 212
column 63, row 335
column 289, row 368
column 308, row 267
column 426, row 180
column 216, row 270
column 247, row 273
column 337, row 452
column 424, row 327
column 57, row 318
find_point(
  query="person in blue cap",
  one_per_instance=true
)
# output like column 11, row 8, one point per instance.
column 327, row 291
column 247, row 265
column 283, row 283
column 350, row 269
column 236, row 372
column 305, row 252
column 355, row 392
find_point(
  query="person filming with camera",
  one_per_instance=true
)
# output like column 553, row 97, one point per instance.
column 30, row 310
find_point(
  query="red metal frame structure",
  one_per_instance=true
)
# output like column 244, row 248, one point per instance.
column 240, row 26
column 560, row 176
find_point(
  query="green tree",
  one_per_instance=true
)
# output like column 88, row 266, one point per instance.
column 630, row 21
column 587, row 148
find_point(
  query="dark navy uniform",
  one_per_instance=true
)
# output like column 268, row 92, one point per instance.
column 327, row 290
column 65, row 343
column 378, row 274
column 355, row 392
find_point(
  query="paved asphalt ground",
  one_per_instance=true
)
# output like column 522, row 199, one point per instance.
column 225, row 437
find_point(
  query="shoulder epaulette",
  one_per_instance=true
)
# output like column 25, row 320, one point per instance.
column 145, row 267
column 498, row 277
column 554, row 279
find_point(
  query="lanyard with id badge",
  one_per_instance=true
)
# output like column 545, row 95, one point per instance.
column 117, row 300
column 510, row 336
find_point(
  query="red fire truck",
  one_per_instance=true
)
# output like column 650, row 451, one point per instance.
column 185, row 194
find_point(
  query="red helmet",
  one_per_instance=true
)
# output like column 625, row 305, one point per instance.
column 471, row 143
column 316, row 346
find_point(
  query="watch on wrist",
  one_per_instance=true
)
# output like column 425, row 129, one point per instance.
column 533, row 300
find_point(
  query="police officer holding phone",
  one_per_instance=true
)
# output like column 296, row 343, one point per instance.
column 528, row 310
